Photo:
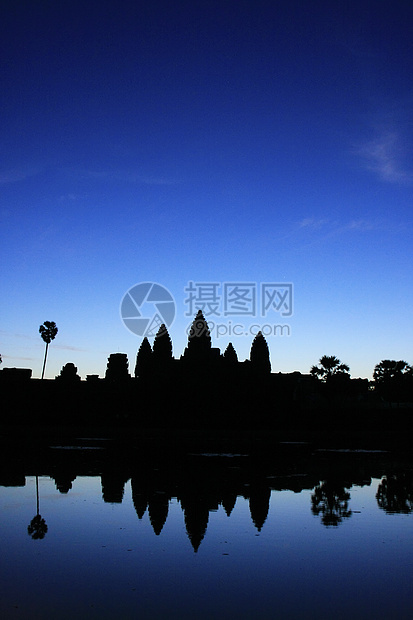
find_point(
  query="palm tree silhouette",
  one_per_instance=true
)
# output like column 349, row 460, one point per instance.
column 329, row 365
column 48, row 332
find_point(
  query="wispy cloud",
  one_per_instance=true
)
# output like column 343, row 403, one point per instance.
column 129, row 176
column 66, row 347
column 19, row 358
column 385, row 156
column 312, row 223
column 16, row 174
column 319, row 229
column 37, row 341
column 363, row 225
column 4, row 333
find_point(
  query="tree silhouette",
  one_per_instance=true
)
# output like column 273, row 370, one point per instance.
column 394, row 380
column 48, row 332
column 162, row 348
column 390, row 369
column 330, row 499
column 68, row 374
column 330, row 366
column 260, row 355
column 395, row 493
column 143, row 364
column 37, row 528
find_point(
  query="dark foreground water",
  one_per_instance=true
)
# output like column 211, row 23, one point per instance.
column 304, row 533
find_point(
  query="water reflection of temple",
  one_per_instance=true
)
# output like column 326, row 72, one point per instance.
column 203, row 483
column 200, row 486
column 198, row 497
column 199, row 490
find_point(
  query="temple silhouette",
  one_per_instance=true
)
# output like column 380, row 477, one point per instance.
column 207, row 389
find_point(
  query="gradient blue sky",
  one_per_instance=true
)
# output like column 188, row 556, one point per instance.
column 251, row 141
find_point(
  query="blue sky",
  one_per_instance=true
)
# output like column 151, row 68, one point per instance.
column 169, row 142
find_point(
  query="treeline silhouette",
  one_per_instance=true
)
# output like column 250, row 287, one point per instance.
column 202, row 482
column 207, row 389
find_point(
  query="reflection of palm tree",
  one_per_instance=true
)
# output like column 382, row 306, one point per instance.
column 395, row 493
column 331, row 500
column 37, row 528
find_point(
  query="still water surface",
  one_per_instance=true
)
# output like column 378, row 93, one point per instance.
column 213, row 539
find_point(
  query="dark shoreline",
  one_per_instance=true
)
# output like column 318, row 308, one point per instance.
column 33, row 436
